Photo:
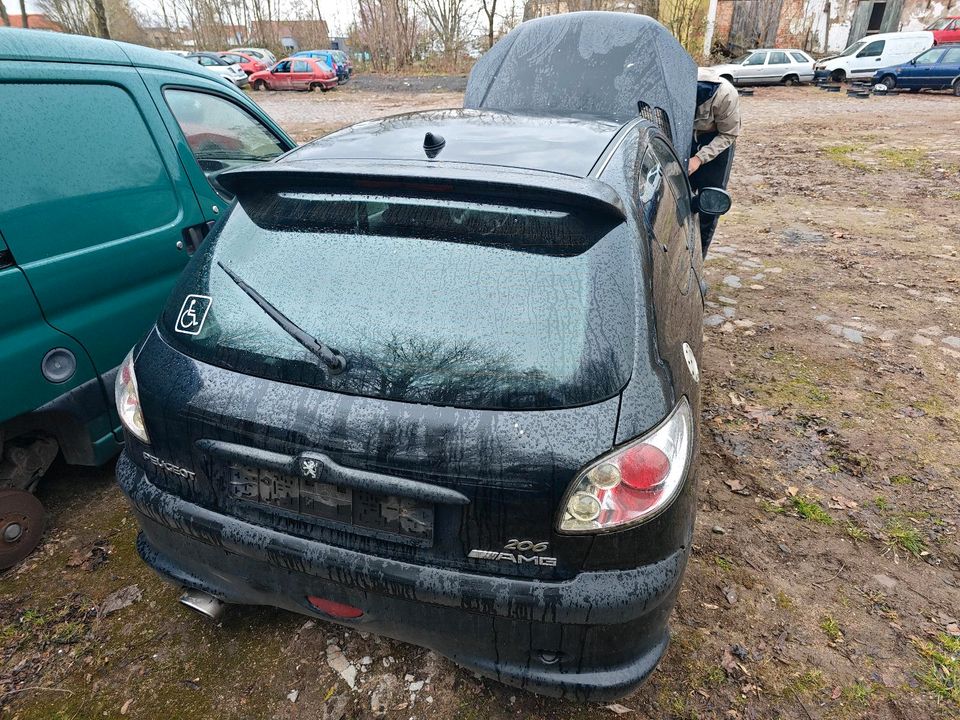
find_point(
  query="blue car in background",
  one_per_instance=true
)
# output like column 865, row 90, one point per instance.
column 934, row 69
column 327, row 56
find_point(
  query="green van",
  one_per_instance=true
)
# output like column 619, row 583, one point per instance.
column 109, row 156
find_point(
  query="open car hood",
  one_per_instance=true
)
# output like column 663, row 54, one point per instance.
column 596, row 64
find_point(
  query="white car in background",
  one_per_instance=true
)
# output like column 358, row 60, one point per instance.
column 231, row 72
column 769, row 66
column 262, row 54
column 867, row 55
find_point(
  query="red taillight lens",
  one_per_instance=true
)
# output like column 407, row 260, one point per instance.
column 634, row 482
column 643, row 467
column 334, row 609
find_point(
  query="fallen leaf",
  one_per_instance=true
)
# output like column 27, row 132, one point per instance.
column 733, row 484
column 125, row 707
column 793, row 490
column 737, row 399
column 837, row 692
column 120, row 599
column 618, row 709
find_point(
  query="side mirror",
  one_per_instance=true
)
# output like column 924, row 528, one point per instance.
column 913, row 62
column 712, row 201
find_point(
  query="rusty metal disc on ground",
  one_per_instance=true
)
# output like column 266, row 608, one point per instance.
column 21, row 525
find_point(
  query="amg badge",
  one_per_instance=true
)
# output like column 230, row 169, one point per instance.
column 518, row 558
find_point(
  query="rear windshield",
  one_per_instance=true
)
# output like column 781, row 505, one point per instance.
column 443, row 302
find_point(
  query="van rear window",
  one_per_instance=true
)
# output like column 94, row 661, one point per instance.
column 433, row 301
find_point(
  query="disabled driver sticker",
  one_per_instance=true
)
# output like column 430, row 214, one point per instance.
column 192, row 314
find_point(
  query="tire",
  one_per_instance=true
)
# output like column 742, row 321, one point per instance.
column 889, row 80
column 791, row 80
column 260, row 85
column 838, row 76
column 311, row 87
column 324, row 88
column 956, row 88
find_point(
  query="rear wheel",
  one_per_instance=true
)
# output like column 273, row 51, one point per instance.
column 260, row 85
column 889, row 80
column 791, row 80
column 956, row 88
column 21, row 526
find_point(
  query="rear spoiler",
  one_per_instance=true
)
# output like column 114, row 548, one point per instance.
column 464, row 181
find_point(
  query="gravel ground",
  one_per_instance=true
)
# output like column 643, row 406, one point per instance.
column 825, row 575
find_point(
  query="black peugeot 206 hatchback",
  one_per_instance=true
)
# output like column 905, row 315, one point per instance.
column 436, row 376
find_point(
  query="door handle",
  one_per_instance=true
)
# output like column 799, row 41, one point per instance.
column 193, row 236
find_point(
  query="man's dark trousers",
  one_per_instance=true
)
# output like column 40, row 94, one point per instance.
column 715, row 173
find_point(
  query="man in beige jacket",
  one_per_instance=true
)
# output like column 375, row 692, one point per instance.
column 716, row 127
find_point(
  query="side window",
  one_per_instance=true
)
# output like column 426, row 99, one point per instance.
column 206, row 61
column 874, row 49
column 778, row 58
column 283, row 67
column 650, row 188
column 930, row 57
column 221, row 134
column 233, row 59
column 301, row 66
column 951, row 56
column 800, row 57
column 756, row 59
column 87, row 170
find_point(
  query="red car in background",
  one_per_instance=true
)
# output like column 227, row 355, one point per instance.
column 247, row 63
column 296, row 73
column 946, row 30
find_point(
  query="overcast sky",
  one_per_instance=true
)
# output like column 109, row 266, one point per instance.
column 337, row 13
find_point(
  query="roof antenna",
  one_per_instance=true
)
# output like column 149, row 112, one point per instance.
column 433, row 144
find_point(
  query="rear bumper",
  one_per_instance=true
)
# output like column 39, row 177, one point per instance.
column 607, row 630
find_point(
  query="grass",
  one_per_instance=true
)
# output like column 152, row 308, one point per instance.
column 843, row 155
column 901, row 480
column 723, row 563
column 906, row 538
column 807, row 681
column 783, row 601
column 809, row 509
column 831, row 628
column 942, row 676
column 858, row 694
column 856, row 532
column 880, row 502
column 904, row 158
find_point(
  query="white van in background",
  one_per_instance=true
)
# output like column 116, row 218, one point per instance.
column 869, row 54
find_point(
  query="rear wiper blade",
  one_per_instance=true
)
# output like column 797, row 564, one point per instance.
column 333, row 359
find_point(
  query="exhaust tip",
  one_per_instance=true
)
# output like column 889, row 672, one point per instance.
column 204, row 603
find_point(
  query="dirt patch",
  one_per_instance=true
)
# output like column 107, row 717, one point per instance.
column 825, row 577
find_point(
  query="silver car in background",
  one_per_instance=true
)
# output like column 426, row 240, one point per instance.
column 231, row 72
column 769, row 66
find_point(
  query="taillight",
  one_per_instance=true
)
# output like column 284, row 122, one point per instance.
column 128, row 400
column 634, row 482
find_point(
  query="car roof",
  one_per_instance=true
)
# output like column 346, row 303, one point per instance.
column 567, row 146
column 773, row 49
column 44, row 46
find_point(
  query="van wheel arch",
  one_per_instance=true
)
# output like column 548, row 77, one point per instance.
column 729, row 79
column 838, row 76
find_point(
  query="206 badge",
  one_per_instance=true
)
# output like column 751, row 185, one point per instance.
column 518, row 558
column 193, row 313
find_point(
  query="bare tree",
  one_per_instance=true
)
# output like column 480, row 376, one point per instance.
column 447, row 19
column 99, row 19
column 687, row 21
column 23, row 13
column 490, row 12
column 3, row 14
